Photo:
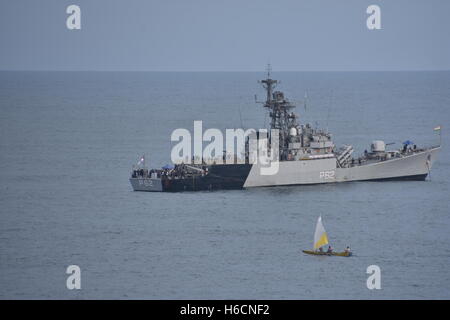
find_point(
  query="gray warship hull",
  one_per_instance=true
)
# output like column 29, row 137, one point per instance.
column 414, row 166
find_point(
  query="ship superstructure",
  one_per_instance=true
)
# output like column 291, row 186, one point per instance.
column 296, row 141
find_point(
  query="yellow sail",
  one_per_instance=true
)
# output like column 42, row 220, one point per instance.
column 320, row 235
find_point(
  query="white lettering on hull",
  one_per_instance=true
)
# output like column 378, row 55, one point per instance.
column 327, row 175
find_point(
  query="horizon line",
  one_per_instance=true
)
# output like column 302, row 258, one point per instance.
column 205, row 71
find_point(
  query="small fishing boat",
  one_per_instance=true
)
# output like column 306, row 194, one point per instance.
column 320, row 240
column 317, row 253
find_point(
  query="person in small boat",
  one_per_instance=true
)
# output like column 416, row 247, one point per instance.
column 320, row 249
column 330, row 250
column 347, row 250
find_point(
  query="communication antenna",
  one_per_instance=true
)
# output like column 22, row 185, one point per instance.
column 269, row 70
column 240, row 117
column 329, row 107
column 305, row 99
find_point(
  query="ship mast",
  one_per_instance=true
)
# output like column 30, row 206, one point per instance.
column 269, row 84
column 280, row 112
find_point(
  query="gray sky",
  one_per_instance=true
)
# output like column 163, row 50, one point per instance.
column 225, row 35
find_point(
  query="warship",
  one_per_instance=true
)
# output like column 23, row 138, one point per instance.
column 305, row 156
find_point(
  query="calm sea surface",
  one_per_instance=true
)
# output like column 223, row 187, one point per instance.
column 68, row 141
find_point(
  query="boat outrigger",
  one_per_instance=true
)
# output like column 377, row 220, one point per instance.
column 320, row 240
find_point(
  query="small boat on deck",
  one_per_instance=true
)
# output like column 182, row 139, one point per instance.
column 320, row 240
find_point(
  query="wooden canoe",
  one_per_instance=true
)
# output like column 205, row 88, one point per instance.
column 317, row 253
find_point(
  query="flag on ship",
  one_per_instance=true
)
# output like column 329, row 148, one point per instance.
column 141, row 161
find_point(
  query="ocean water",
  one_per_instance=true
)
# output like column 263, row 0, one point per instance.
column 68, row 141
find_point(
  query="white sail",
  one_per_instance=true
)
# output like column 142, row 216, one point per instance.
column 320, row 235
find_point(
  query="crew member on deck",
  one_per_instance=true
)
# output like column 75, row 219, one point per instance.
column 330, row 250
